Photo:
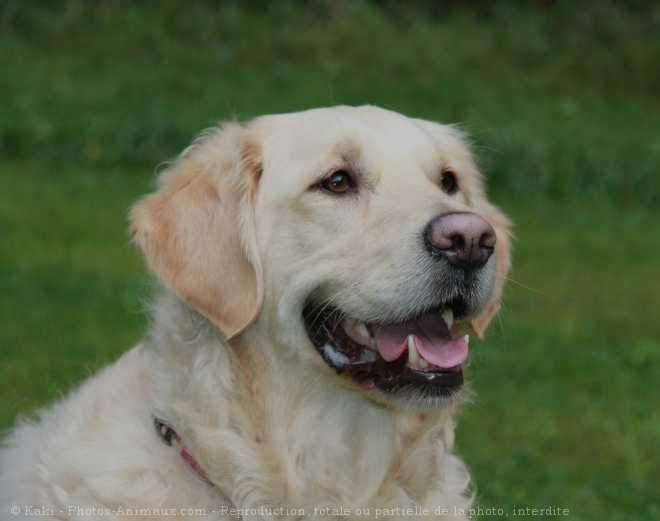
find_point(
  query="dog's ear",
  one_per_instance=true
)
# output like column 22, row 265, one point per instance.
column 502, row 227
column 197, row 230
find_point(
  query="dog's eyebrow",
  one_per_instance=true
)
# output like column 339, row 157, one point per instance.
column 349, row 150
column 349, row 155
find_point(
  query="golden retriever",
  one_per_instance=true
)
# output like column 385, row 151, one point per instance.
column 321, row 271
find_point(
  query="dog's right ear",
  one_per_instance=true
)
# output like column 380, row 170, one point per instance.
column 197, row 230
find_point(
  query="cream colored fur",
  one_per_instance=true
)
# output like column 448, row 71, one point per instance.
column 241, row 240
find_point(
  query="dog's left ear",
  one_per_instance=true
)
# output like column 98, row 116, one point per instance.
column 502, row 226
column 197, row 230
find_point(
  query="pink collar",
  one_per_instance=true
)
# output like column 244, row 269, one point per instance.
column 169, row 436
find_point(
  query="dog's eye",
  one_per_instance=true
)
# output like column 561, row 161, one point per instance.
column 448, row 182
column 338, row 182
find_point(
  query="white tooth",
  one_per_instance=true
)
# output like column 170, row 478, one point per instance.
column 362, row 329
column 467, row 339
column 413, row 355
column 448, row 316
column 423, row 363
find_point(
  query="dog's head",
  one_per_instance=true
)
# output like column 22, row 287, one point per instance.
column 361, row 239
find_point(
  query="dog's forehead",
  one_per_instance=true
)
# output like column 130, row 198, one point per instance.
column 320, row 129
column 318, row 139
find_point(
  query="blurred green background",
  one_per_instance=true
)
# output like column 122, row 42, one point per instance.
column 562, row 102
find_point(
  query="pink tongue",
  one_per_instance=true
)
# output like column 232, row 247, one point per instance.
column 432, row 339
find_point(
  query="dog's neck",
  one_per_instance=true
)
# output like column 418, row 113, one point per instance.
column 295, row 430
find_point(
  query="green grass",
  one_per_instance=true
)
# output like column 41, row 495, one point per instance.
column 564, row 111
column 70, row 285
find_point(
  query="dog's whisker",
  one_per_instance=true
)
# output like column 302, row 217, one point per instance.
column 319, row 308
column 512, row 281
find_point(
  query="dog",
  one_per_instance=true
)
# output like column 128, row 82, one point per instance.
column 321, row 273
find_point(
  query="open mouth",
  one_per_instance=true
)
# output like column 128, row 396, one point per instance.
column 416, row 355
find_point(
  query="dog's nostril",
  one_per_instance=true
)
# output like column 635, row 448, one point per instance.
column 465, row 239
column 457, row 242
column 488, row 238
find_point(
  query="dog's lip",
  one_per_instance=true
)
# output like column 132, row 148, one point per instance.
column 351, row 347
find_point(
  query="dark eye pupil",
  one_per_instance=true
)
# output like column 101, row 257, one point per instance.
column 339, row 182
column 448, row 182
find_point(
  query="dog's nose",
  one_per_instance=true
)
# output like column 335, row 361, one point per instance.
column 465, row 239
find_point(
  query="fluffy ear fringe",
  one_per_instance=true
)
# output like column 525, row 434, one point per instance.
column 197, row 230
column 502, row 226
